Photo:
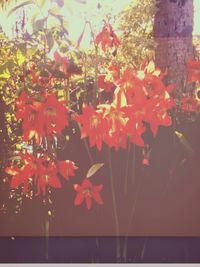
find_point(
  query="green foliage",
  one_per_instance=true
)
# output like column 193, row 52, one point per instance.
column 136, row 25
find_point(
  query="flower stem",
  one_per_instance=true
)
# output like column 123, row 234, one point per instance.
column 126, row 173
column 67, row 92
column 114, row 205
column 133, row 170
column 47, row 238
column 88, row 151
column 96, row 65
column 96, row 77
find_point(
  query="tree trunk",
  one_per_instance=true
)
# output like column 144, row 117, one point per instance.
column 173, row 28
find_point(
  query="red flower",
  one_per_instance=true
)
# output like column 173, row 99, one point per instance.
column 193, row 68
column 189, row 104
column 156, row 113
column 117, row 136
column 107, row 38
column 65, row 65
column 86, row 191
column 39, row 79
column 63, row 62
column 105, row 84
column 45, row 175
column 115, row 72
column 55, row 117
column 21, row 175
column 66, row 168
column 95, row 126
column 134, row 127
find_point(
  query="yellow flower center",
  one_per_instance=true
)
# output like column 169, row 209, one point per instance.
column 94, row 121
column 87, row 192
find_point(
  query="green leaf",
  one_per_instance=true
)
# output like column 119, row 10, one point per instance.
column 5, row 74
column 8, row 65
column 29, row 2
column 31, row 51
column 20, row 58
column 185, row 143
column 94, row 169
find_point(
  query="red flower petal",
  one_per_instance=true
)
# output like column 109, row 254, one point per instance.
column 88, row 202
column 79, row 199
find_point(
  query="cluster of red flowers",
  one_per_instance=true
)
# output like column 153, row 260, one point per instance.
column 40, row 171
column 190, row 103
column 139, row 97
column 41, row 116
column 193, row 69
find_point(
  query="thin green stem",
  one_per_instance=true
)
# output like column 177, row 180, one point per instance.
column 88, row 151
column 124, row 253
column 96, row 76
column 126, row 173
column 133, row 170
column 114, row 204
column 47, row 238
column 67, row 92
column 96, row 65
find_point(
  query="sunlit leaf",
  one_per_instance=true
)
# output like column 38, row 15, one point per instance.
column 94, row 169
column 31, row 51
column 20, row 58
column 185, row 143
column 5, row 74
column 151, row 66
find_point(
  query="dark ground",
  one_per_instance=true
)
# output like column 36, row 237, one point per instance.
column 84, row 250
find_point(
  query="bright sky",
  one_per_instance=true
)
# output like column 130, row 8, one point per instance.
column 76, row 13
column 196, row 30
column 92, row 10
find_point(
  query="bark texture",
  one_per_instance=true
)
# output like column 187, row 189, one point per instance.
column 173, row 27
